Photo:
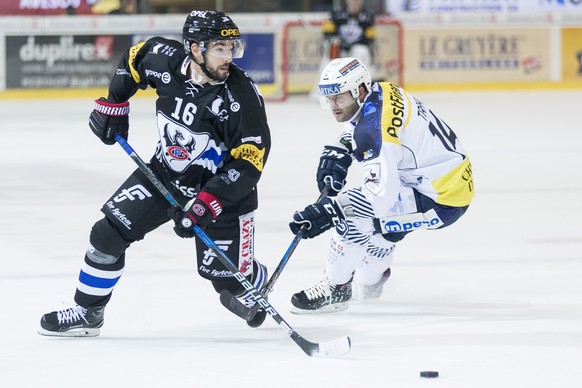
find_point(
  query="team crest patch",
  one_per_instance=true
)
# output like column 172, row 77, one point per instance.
column 177, row 152
column 372, row 178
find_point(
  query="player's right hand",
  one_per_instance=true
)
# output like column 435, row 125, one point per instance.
column 316, row 218
column 200, row 211
column 109, row 118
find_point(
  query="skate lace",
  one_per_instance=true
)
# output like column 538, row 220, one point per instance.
column 321, row 289
column 72, row 314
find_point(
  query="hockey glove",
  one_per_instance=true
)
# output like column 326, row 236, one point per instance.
column 109, row 118
column 333, row 168
column 317, row 218
column 200, row 211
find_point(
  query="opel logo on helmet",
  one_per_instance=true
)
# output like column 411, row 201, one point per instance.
column 229, row 32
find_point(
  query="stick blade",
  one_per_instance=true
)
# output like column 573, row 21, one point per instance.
column 334, row 348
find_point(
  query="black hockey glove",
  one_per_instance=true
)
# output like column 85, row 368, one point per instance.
column 200, row 211
column 317, row 218
column 109, row 118
column 333, row 168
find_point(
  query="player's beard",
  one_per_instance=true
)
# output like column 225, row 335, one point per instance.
column 347, row 114
column 219, row 73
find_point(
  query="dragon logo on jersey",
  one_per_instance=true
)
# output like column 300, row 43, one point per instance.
column 180, row 148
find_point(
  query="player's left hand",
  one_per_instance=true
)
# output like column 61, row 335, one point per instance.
column 200, row 211
column 317, row 218
column 333, row 169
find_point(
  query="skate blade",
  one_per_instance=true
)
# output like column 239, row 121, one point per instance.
column 70, row 333
column 334, row 308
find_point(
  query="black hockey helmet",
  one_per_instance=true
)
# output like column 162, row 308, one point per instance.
column 202, row 27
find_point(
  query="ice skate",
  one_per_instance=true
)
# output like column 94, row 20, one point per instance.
column 74, row 321
column 374, row 291
column 322, row 298
column 247, row 308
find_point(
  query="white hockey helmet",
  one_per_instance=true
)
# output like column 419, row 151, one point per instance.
column 342, row 75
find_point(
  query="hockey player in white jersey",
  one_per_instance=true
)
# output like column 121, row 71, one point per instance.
column 416, row 175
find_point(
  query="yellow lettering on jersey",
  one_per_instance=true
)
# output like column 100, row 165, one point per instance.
column 132, row 54
column 251, row 154
column 456, row 187
column 395, row 115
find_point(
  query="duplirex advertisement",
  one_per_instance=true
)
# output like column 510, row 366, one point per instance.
column 84, row 61
column 477, row 55
column 63, row 61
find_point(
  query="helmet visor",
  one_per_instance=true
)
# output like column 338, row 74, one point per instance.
column 224, row 48
column 334, row 101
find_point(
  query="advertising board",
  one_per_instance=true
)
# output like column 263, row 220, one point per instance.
column 62, row 61
column 66, row 7
column 572, row 54
column 398, row 7
column 455, row 55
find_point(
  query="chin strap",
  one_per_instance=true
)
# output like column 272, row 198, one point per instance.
column 204, row 69
column 352, row 119
column 360, row 106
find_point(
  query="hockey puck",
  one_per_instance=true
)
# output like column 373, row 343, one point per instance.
column 430, row 374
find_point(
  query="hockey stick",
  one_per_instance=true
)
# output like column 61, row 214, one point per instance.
column 230, row 301
column 333, row 348
column 298, row 237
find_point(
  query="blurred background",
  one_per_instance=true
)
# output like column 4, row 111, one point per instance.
column 71, row 47
column 174, row 6
column 500, row 290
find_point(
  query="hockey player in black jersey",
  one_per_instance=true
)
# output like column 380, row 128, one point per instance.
column 214, row 142
column 350, row 32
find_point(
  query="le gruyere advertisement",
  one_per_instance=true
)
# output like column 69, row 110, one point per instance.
column 455, row 55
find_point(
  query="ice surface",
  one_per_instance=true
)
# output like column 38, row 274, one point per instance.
column 493, row 301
